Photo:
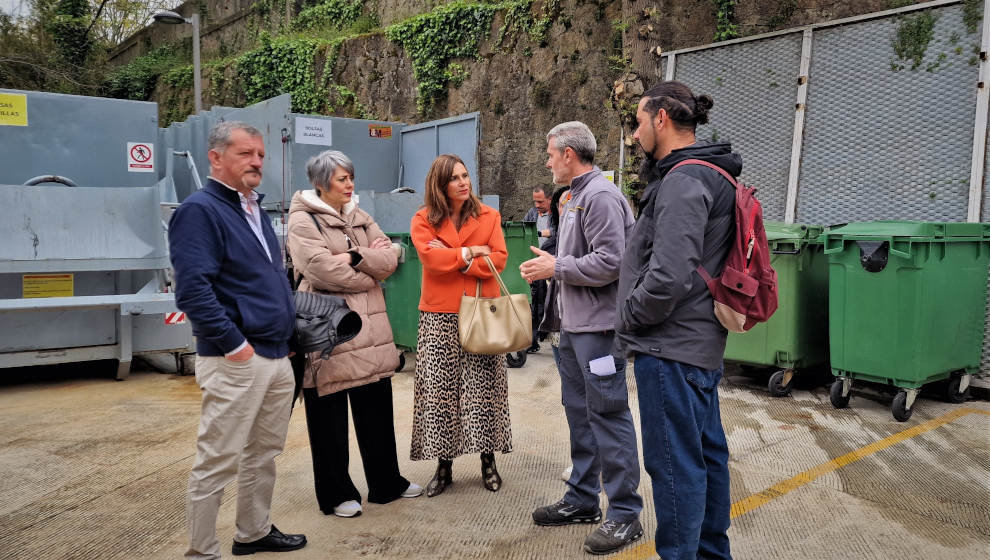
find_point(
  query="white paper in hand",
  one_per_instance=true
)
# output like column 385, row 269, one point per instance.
column 602, row 366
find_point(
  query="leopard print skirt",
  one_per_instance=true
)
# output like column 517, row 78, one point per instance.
column 461, row 402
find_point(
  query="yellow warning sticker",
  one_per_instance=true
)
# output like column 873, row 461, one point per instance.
column 47, row 285
column 13, row 109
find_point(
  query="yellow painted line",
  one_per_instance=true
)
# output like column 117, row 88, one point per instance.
column 747, row 505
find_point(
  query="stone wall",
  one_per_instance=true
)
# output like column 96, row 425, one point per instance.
column 523, row 90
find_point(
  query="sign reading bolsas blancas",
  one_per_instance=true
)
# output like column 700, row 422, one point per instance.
column 13, row 109
column 313, row 131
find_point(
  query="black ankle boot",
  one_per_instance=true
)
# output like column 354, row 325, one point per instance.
column 441, row 480
column 489, row 474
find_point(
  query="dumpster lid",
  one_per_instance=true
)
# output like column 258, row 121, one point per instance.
column 916, row 230
column 781, row 231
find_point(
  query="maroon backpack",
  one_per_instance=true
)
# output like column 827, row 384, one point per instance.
column 746, row 291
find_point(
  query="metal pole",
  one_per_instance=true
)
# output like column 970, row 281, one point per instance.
column 622, row 151
column 197, row 83
column 797, row 140
column 980, row 128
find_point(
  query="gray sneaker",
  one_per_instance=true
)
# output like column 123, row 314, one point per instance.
column 612, row 536
column 563, row 513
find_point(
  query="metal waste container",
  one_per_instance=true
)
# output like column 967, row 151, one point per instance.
column 795, row 338
column 906, row 306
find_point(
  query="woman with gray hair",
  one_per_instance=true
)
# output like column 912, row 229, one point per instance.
column 338, row 249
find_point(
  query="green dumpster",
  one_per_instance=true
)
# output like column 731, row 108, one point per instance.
column 519, row 236
column 795, row 337
column 906, row 306
column 402, row 293
column 403, row 287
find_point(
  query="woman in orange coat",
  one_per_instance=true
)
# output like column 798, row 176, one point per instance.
column 461, row 399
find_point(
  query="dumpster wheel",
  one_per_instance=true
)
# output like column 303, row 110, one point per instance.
column 516, row 359
column 952, row 393
column 835, row 395
column 899, row 409
column 780, row 382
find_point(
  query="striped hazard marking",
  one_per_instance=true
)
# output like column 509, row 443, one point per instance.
column 176, row 318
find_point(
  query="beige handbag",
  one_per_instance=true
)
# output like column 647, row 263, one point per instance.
column 494, row 325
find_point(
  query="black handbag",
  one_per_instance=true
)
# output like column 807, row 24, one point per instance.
column 323, row 322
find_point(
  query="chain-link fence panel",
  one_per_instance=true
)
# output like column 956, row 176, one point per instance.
column 889, row 136
column 754, row 86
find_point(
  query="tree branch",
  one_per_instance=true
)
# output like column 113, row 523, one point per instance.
column 95, row 18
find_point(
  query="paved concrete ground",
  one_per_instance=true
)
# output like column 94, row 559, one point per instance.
column 96, row 469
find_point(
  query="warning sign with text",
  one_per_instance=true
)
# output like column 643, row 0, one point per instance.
column 313, row 131
column 140, row 157
column 13, row 109
column 46, row 285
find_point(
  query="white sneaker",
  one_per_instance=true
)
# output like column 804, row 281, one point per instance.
column 565, row 475
column 350, row 508
column 414, row 491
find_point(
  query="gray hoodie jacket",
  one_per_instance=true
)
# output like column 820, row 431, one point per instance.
column 591, row 238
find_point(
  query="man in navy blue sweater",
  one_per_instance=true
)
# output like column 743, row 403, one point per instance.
column 231, row 283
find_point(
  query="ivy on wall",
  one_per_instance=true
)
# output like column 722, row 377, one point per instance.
column 435, row 39
column 69, row 26
column 137, row 79
column 281, row 66
column 335, row 14
column 725, row 20
column 911, row 39
column 302, row 62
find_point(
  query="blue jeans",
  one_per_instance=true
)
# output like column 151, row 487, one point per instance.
column 686, row 456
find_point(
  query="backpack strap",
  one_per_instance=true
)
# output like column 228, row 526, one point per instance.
column 732, row 180
column 709, row 165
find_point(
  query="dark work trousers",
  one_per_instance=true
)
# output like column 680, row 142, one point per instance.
column 603, row 436
column 538, row 290
column 326, row 420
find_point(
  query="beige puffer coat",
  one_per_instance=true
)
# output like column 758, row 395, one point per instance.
column 371, row 355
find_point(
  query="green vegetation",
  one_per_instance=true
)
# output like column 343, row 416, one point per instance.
column 433, row 40
column 454, row 31
column 972, row 15
column 912, row 38
column 725, row 20
column 334, row 14
column 301, row 58
column 137, row 80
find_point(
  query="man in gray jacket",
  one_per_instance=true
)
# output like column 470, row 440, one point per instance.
column 667, row 321
column 594, row 223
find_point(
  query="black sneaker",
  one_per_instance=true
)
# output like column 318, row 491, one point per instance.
column 533, row 349
column 612, row 536
column 563, row 513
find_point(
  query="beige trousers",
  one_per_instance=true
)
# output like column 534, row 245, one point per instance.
column 242, row 428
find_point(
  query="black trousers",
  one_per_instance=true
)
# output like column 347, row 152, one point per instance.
column 538, row 290
column 326, row 421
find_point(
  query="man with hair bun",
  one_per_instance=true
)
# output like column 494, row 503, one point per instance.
column 667, row 324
